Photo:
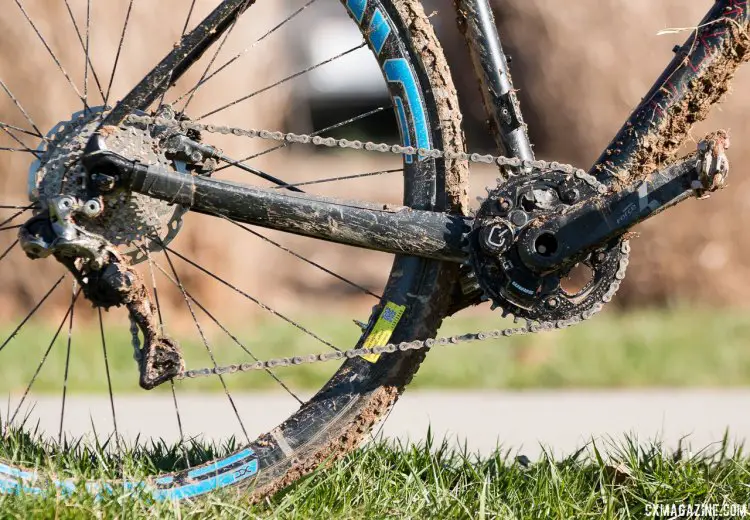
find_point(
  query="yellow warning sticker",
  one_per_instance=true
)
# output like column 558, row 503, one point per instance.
column 383, row 329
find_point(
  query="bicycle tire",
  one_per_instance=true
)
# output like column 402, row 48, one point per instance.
column 339, row 416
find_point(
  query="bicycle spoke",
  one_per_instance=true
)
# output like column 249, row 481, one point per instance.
column 281, row 81
column 343, row 178
column 83, row 47
column 204, row 79
column 87, row 60
column 231, row 336
column 187, row 20
column 30, row 314
column 171, row 381
column 318, row 132
column 67, row 363
column 184, row 30
column 6, row 126
column 300, row 257
column 16, row 215
column 205, row 343
column 20, row 107
column 194, row 90
column 258, row 173
column 7, row 251
column 49, row 50
column 11, row 227
column 24, row 148
column 251, row 298
column 109, row 380
column 119, row 50
column 10, row 206
column 43, row 360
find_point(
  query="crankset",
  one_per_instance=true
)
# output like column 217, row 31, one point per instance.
column 551, row 246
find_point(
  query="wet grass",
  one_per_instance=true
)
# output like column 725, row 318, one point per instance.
column 677, row 348
column 622, row 479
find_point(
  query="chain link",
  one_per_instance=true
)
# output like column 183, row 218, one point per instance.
column 520, row 167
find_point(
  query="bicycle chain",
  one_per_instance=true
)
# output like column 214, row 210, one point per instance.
column 514, row 164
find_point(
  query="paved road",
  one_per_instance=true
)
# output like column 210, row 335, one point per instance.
column 523, row 421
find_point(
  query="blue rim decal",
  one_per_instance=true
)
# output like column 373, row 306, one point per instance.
column 403, row 125
column 399, row 71
column 23, row 482
column 204, row 486
column 379, row 31
column 216, row 466
column 357, row 8
column 16, row 473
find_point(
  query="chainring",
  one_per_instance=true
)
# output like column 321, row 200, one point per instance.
column 516, row 208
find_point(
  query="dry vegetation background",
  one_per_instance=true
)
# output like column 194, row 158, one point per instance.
column 581, row 68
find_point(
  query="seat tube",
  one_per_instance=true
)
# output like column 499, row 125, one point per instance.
column 477, row 23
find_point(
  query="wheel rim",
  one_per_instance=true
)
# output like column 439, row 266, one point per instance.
column 407, row 275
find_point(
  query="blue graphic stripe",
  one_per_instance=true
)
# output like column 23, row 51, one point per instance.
column 165, row 480
column 378, row 31
column 216, row 466
column 398, row 71
column 357, row 8
column 100, row 489
column 15, row 472
column 204, row 486
column 403, row 125
column 11, row 487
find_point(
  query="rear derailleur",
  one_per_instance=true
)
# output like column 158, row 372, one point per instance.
column 100, row 233
column 106, row 278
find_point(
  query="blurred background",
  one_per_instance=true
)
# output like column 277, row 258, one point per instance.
column 679, row 318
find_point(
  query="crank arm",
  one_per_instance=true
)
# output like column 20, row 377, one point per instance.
column 596, row 221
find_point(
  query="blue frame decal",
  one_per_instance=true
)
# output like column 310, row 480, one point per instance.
column 379, row 31
column 399, row 71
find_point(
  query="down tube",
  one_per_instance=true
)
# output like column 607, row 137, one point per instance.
column 697, row 78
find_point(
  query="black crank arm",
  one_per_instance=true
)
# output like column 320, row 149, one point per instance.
column 392, row 229
column 597, row 221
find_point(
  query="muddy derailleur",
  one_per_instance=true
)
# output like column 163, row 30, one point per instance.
column 106, row 278
column 99, row 232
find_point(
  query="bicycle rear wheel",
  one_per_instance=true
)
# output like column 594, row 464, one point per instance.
column 337, row 418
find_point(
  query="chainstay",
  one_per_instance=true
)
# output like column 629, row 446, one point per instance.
column 513, row 166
